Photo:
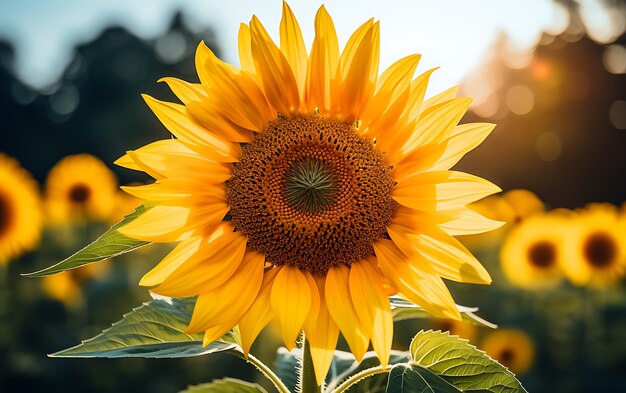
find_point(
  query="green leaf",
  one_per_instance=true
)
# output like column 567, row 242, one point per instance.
column 374, row 384
column 226, row 385
column 287, row 366
column 110, row 244
column 154, row 330
column 461, row 364
column 403, row 309
column 410, row 378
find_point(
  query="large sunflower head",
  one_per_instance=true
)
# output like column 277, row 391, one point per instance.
column 596, row 246
column 532, row 253
column 306, row 187
column 80, row 187
column 20, row 210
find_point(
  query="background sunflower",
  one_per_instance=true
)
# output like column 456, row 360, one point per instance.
column 80, row 187
column 596, row 246
column 20, row 210
column 533, row 252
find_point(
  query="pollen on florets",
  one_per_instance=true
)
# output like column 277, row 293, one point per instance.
column 311, row 192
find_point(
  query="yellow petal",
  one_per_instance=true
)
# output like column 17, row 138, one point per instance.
column 291, row 301
column 422, row 288
column 315, row 299
column 185, row 91
column 292, row 46
column 386, row 108
column 397, row 125
column 209, row 268
column 127, row 162
column 279, row 83
column 446, row 255
column 179, row 192
column 158, row 224
column 215, row 332
column 225, row 305
column 354, row 42
column 372, row 306
column 235, row 95
column 341, row 308
column 418, row 91
column 217, row 124
column 323, row 62
column 322, row 333
column 259, row 314
column 442, row 190
column 360, row 71
column 172, row 261
column 422, row 159
column 395, row 79
column 171, row 158
column 435, row 101
column 446, row 153
column 175, row 118
column 468, row 222
column 430, row 129
column 463, row 139
column 245, row 49
column 204, row 217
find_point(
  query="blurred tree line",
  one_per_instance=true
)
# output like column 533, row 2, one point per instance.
column 96, row 105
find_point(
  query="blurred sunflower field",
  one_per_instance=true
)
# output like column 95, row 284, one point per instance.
column 555, row 312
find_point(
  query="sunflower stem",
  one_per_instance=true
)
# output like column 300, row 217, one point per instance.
column 354, row 379
column 308, row 382
column 269, row 374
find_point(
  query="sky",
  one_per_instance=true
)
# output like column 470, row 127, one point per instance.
column 452, row 34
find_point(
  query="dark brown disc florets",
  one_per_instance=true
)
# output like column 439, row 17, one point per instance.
column 542, row 254
column 6, row 213
column 600, row 249
column 311, row 192
column 79, row 193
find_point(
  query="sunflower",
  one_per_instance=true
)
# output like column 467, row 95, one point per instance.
column 303, row 186
column 532, row 254
column 512, row 348
column 20, row 210
column 596, row 246
column 80, row 187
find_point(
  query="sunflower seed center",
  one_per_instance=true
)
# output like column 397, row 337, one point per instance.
column 310, row 185
column 6, row 215
column 311, row 192
column 600, row 249
column 542, row 254
column 79, row 193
